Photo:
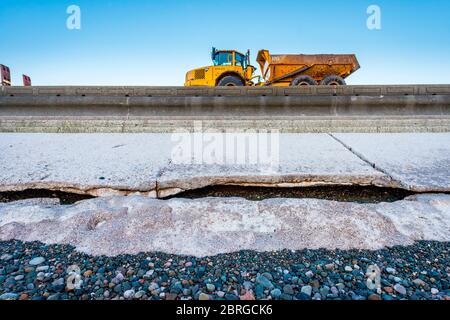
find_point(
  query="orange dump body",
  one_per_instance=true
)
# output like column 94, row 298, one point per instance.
column 280, row 70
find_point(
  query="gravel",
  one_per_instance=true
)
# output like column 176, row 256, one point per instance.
column 286, row 275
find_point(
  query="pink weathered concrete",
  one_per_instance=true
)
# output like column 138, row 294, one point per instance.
column 210, row 226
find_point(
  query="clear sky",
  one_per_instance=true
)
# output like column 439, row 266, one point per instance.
column 137, row 42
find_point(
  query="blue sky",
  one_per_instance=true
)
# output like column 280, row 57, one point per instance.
column 138, row 42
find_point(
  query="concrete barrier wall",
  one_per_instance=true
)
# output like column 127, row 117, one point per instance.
column 162, row 109
column 372, row 90
column 229, row 107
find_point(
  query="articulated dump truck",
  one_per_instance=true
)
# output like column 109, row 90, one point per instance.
column 232, row 68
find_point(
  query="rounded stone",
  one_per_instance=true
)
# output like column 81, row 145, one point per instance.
column 129, row 294
column 37, row 261
column 203, row 296
column 275, row 293
column 307, row 290
column 400, row 289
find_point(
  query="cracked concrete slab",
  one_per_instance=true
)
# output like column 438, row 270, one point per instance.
column 204, row 227
column 99, row 165
column 166, row 164
column 103, row 164
column 419, row 161
column 298, row 160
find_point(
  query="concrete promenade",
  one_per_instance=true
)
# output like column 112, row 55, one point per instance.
column 160, row 165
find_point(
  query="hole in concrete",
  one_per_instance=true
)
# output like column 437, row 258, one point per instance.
column 359, row 194
column 64, row 197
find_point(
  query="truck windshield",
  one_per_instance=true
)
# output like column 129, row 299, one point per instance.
column 223, row 59
column 241, row 60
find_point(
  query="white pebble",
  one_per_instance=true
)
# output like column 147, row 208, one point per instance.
column 390, row 270
column 129, row 294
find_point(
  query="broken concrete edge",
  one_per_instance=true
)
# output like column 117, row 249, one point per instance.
column 172, row 188
column 95, row 191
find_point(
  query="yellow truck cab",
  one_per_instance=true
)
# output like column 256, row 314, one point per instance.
column 230, row 68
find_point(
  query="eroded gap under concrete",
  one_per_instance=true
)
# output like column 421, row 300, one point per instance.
column 341, row 193
column 358, row 194
column 64, row 197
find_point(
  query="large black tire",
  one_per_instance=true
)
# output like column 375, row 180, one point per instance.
column 230, row 81
column 303, row 80
column 333, row 80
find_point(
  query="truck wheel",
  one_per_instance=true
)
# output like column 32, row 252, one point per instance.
column 230, row 81
column 304, row 81
column 333, row 80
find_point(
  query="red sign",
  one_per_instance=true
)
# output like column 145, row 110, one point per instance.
column 26, row 80
column 5, row 75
